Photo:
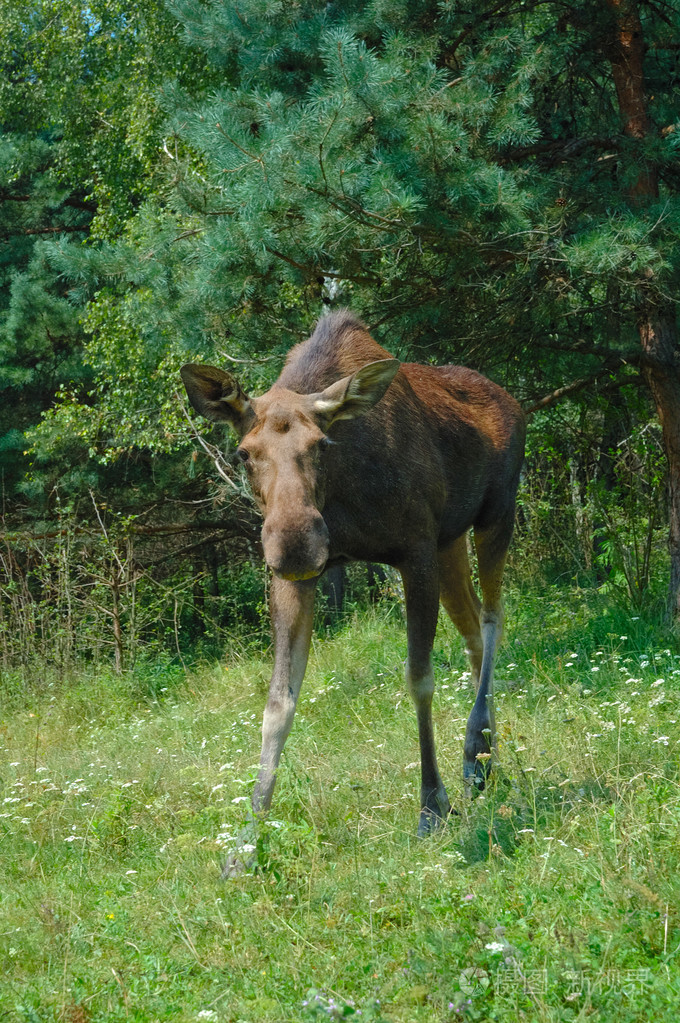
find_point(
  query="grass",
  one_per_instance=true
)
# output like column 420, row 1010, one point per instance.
column 555, row 896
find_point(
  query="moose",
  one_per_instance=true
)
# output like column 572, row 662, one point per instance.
column 352, row 455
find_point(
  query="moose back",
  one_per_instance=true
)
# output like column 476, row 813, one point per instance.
column 352, row 455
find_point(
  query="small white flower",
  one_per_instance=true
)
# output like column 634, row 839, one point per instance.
column 240, row 799
column 495, row 946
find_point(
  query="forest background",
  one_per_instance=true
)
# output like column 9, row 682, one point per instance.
column 489, row 182
column 493, row 184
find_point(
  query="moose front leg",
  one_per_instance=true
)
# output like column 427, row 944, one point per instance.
column 421, row 589
column 292, row 613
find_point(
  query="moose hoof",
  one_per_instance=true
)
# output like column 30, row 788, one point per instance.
column 244, row 857
column 434, row 813
column 241, row 861
column 476, row 773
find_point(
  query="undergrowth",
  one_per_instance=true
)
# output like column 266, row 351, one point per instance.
column 554, row 896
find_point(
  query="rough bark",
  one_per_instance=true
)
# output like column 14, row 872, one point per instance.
column 657, row 320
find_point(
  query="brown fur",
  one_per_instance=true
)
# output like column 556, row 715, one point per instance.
column 352, row 457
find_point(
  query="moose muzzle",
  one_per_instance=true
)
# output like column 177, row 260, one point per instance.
column 296, row 548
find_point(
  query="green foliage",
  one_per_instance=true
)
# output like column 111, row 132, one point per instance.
column 457, row 174
column 395, row 160
column 631, row 536
column 80, row 148
column 39, row 330
column 592, row 503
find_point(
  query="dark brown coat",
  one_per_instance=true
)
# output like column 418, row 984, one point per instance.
column 353, row 456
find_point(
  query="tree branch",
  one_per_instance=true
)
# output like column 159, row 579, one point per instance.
column 45, row 230
column 572, row 388
column 557, row 149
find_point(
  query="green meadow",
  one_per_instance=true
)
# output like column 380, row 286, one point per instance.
column 553, row 896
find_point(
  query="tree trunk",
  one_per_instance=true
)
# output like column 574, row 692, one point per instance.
column 661, row 369
column 118, row 648
column 657, row 321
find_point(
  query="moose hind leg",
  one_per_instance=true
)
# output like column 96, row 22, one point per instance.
column 460, row 601
column 480, row 734
column 422, row 605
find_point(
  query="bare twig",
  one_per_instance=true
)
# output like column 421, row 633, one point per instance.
column 221, row 465
column 248, row 362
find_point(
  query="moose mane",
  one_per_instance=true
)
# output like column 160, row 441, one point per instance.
column 339, row 345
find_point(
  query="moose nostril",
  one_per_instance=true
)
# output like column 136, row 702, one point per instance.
column 296, row 549
column 321, row 528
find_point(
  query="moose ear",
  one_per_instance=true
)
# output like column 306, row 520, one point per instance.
column 355, row 395
column 217, row 396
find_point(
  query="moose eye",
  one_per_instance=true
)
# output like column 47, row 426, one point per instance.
column 242, row 455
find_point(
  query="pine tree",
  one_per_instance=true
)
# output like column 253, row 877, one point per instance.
column 40, row 337
column 469, row 177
